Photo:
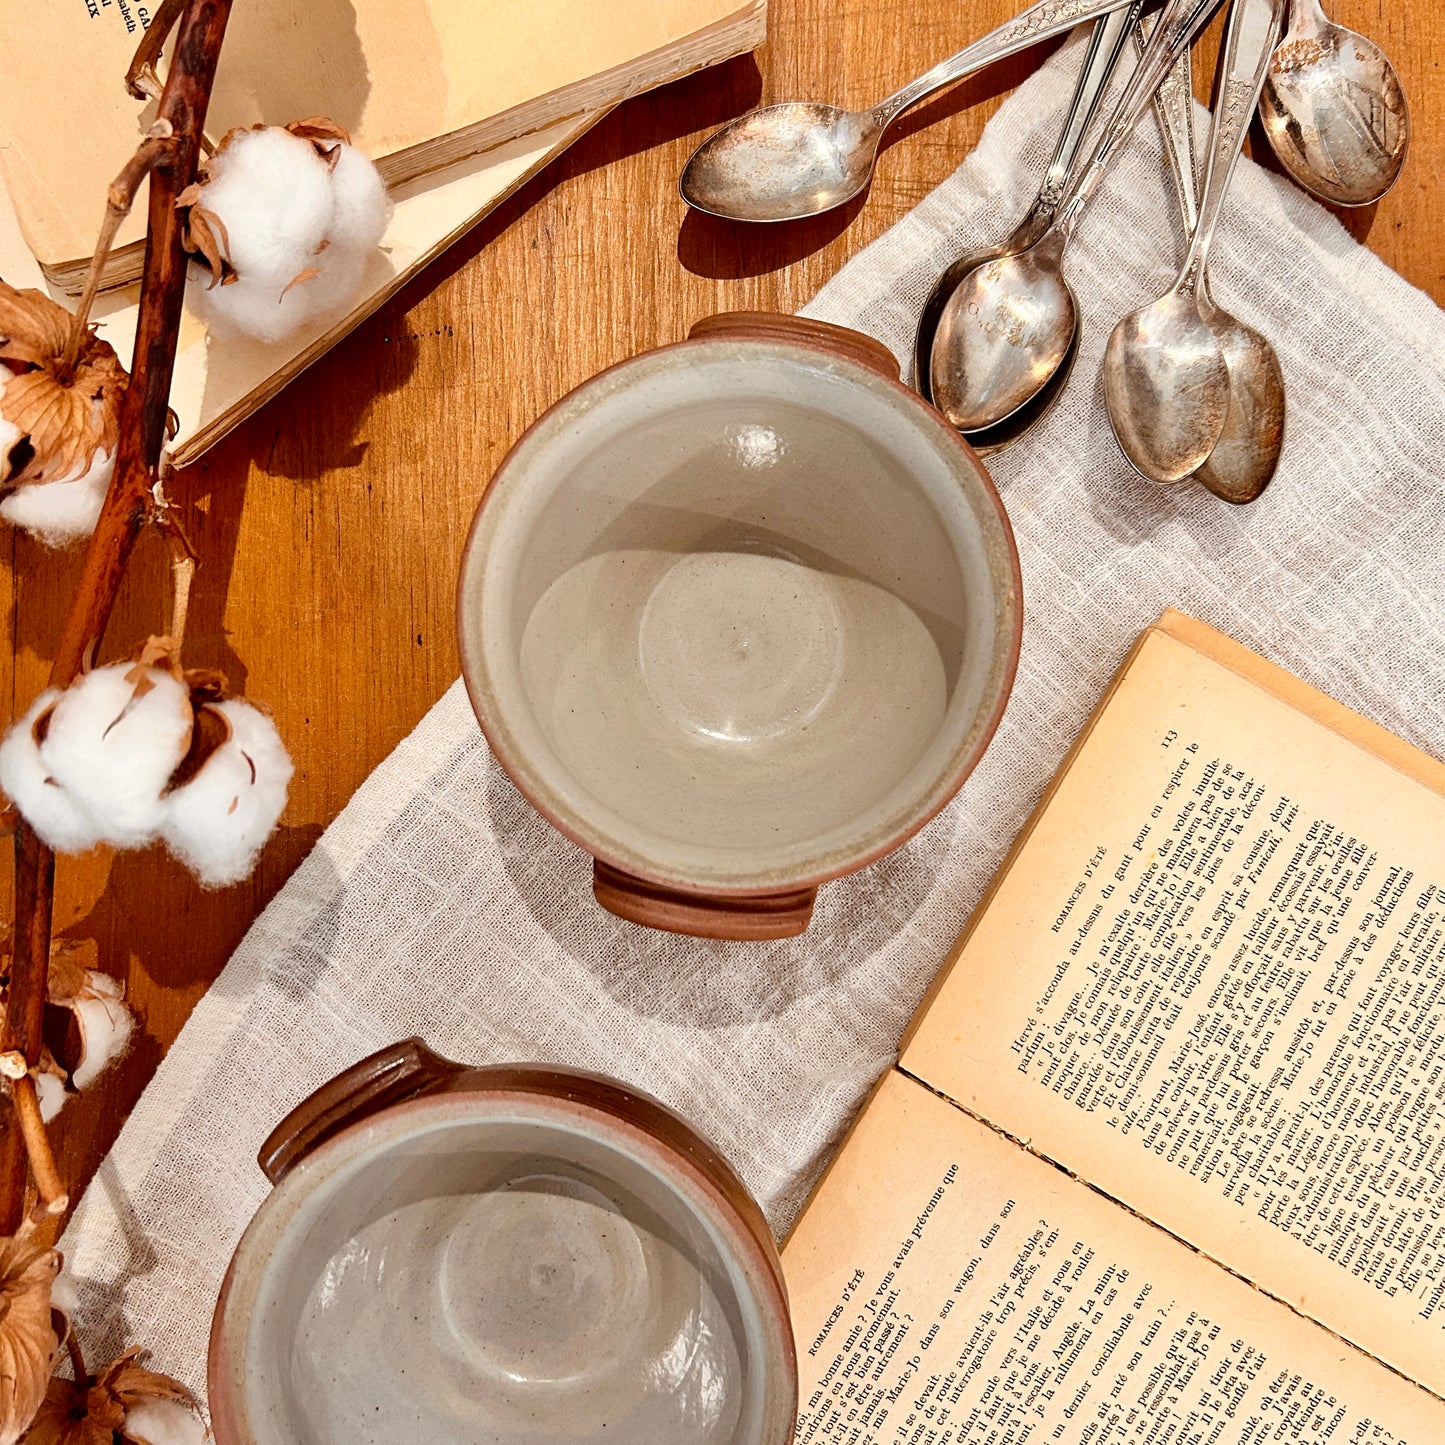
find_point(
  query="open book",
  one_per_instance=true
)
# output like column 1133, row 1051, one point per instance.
column 1163, row 1159
column 420, row 84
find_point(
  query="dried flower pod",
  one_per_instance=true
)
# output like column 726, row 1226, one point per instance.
column 28, row 1342
column 226, row 801
column 114, row 1405
column 283, row 220
column 59, row 420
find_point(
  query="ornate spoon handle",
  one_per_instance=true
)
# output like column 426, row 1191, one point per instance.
column 1174, row 109
column 1178, row 24
column 1038, row 22
column 1254, row 31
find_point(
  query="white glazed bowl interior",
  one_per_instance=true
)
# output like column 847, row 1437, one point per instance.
column 435, row 1277
column 738, row 614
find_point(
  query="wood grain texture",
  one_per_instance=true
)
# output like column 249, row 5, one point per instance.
column 330, row 526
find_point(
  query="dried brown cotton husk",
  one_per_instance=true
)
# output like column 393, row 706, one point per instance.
column 28, row 1341
column 108, row 1407
column 59, row 422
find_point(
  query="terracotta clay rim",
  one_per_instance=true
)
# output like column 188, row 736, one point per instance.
column 734, row 326
column 632, row 1121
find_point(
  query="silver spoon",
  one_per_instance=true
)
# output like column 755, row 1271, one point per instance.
column 1166, row 380
column 801, row 158
column 1010, row 323
column 1105, row 47
column 1334, row 110
column 1244, row 459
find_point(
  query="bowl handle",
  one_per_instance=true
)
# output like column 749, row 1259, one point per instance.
column 755, row 918
column 779, row 326
column 388, row 1077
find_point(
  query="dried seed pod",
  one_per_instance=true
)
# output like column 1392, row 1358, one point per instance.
column 27, row 1337
column 59, row 419
column 116, row 1404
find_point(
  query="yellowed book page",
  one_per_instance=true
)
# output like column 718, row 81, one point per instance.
column 1212, row 982
column 948, row 1288
column 397, row 73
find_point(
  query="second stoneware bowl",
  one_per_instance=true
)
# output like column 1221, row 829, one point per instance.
column 739, row 616
column 512, row 1254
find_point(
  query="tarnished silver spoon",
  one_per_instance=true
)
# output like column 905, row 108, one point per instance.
column 1105, row 47
column 801, row 158
column 1244, row 458
column 1010, row 323
column 1334, row 110
column 1166, row 380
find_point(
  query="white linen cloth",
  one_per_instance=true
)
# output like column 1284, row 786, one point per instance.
column 439, row 903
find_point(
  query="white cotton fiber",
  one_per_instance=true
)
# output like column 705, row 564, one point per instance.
column 361, row 207
column 163, row 1422
column 286, row 212
column 217, row 823
column 59, row 513
column 50, row 1093
column 266, row 312
column 272, row 194
column 114, row 746
column 106, row 1025
column 52, row 810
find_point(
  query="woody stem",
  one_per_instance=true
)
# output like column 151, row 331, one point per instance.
column 37, row 1146
column 129, row 505
column 183, row 573
column 153, row 150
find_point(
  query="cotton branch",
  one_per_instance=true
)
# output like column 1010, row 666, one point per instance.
column 170, row 157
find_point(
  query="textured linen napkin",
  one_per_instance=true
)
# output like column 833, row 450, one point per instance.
column 439, row 903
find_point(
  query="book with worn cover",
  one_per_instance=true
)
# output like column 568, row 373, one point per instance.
column 420, row 84
column 1163, row 1158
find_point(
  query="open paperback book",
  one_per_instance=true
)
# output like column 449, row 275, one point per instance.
column 1163, row 1159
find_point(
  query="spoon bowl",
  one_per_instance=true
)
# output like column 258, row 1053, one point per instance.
column 783, row 162
column 1334, row 110
column 1244, row 458
column 1166, row 383
column 1008, row 325
column 1100, row 60
column 1002, row 334
column 987, row 440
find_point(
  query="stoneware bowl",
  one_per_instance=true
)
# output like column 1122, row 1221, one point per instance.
column 739, row 616
column 511, row 1255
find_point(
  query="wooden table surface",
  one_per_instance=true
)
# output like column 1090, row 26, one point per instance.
column 330, row 525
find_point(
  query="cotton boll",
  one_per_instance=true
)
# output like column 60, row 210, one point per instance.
column 59, row 513
column 163, row 1422
column 51, row 809
column 217, row 822
column 113, row 746
column 361, row 207
column 272, row 194
column 106, row 1026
